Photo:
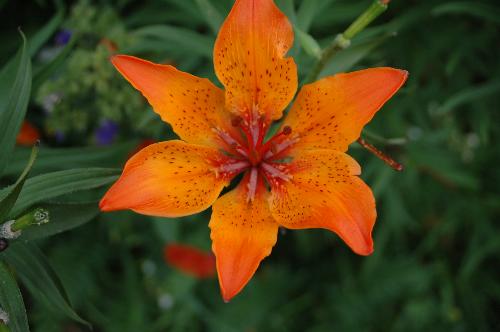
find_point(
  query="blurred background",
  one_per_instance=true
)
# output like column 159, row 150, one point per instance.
column 437, row 237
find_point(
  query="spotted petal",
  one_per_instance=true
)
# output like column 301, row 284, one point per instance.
column 243, row 233
column 167, row 179
column 325, row 192
column 331, row 112
column 193, row 106
column 249, row 59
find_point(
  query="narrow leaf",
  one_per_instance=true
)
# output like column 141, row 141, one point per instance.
column 43, row 34
column 13, row 107
column 40, row 279
column 48, row 186
column 185, row 39
column 212, row 16
column 11, row 301
column 346, row 59
column 51, row 159
column 47, row 70
column 8, row 202
column 63, row 217
column 309, row 44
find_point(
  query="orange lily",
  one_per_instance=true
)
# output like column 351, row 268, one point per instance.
column 300, row 178
column 28, row 134
column 190, row 260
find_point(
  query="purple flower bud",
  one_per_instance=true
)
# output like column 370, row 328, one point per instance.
column 106, row 133
column 59, row 136
column 63, row 37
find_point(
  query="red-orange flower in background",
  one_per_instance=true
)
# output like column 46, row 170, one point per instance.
column 300, row 178
column 28, row 135
column 190, row 260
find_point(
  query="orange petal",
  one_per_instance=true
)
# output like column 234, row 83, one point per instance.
column 167, row 179
column 28, row 135
column 190, row 260
column 325, row 192
column 193, row 106
column 249, row 59
column 243, row 233
column 331, row 112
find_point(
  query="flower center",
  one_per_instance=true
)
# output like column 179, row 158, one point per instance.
column 248, row 151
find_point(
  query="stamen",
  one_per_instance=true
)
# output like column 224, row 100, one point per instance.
column 230, row 142
column 252, row 184
column 385, row 158
column 274, row 172
column 237, row 166
column 236, row 121
column 278, row 148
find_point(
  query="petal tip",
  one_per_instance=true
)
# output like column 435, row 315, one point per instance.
column 104, row 205
column 405, row 73
column 227, row 295
column 366, row 250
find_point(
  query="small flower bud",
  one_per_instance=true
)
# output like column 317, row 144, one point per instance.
column 4, row 317
column 6, row 231
column 36, row 217
column 4, row 244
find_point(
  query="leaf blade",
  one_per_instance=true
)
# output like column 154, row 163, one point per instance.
column 13, row 108
column 11, row 301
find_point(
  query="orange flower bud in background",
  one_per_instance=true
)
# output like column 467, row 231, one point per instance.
column 190, row 260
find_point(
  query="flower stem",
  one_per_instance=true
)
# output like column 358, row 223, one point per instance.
column 385, row 158
column 36, row 217
column 343, row 40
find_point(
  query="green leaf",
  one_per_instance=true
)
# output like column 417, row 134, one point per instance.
column 40, row 279
column 185, row 39
column 472, row 8
column 44, row 33
column 12, row 302
column 309, row 44
column 212, row 16
column 306, row 13
column 47, row 70
column 469, row 94
column 14, row 98
column 346, row 59
column 50, row 159
column 48, row 186
column 63, row 217
column 8, row 202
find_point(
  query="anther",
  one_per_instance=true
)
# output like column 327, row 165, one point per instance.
column 236, row 121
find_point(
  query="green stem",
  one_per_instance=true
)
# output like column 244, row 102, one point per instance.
column 36, row 217
column 343, row 40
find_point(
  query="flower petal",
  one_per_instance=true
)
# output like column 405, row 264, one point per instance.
column 190, row 260
column 331, row 112
column 325, row 192
column 28, row 135
column 243, row 233
column 167, row 179
column 249, row 59
column 192, row 105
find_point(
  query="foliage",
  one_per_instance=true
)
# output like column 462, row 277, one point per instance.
column 437, row 239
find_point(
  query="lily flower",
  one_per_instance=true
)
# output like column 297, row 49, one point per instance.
column 190, row 260
column 28, row 134
column 299, row 178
